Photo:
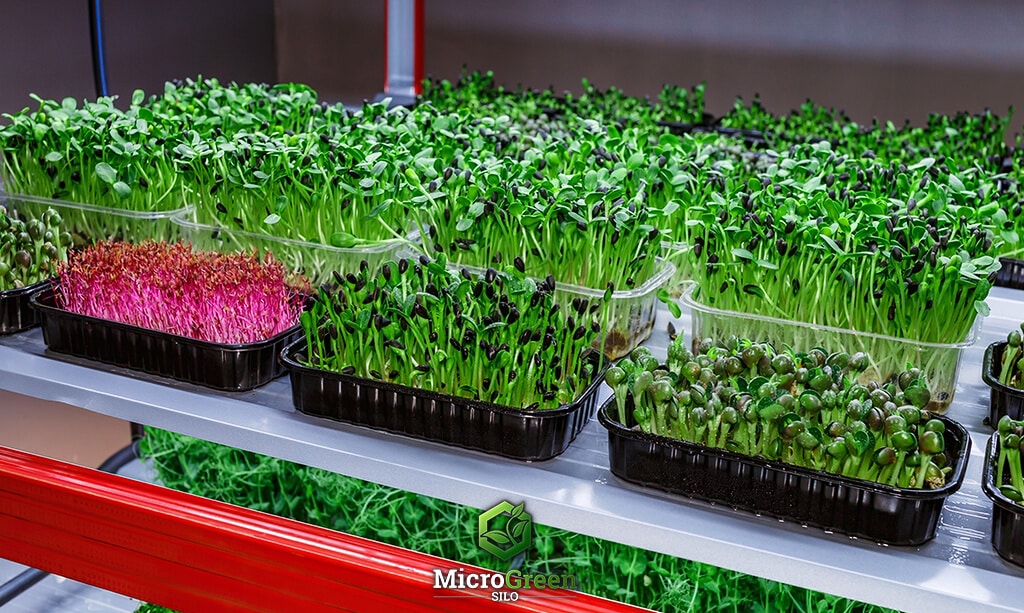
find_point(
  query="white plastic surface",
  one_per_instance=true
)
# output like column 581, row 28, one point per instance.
column 958, row 570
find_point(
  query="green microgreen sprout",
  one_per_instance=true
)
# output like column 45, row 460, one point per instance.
column 962, row 141
column 211, row 108
column 805, row 408
column 1011, row 362
column 31, row 247
column 338, row 187
column 480, row 92
column 1011, row 437
column 581, row 211
column 93, row 153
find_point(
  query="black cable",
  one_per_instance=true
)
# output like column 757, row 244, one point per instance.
column 99, row 60
column 26, row 579
column 29, row 577
column 122, row 457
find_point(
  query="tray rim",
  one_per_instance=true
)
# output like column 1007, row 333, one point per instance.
column 17, row 292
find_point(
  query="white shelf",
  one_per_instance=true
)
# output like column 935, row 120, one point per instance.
column 576, row 491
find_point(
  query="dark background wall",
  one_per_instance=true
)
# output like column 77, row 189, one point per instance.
column 45, row 45
column 893, row 60
column 44, row 49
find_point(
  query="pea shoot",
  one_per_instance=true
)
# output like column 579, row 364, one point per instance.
column 31, row 248
column 1009, row 477
column 806, row 408
column 1011, row 363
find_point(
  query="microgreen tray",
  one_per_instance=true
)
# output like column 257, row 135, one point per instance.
column 316, row 261
column 89, row 223
column 1007, row 515
column 227, row 367
column 15, row 312
column 515, row 433
column 939, row 362
column 882, row 513
column 1011, row 274
column 1004, row 400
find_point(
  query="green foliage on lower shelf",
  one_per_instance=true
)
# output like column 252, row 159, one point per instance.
column 445, row 529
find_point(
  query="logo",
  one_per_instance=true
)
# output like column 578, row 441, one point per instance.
column 505, row 530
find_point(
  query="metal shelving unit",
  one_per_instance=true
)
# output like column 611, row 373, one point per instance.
column 576, row 491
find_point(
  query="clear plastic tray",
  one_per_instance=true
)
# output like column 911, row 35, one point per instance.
column 314, row 260
column 940, row 362
column 626, row 319
column 89, row 223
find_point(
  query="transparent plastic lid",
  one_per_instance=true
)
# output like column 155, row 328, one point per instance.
column 663, row 272
column 14, row 199
column 691, row 302
column 186, row 219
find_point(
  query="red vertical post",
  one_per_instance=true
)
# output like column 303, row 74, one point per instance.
column 418, row 73
column 403, row 49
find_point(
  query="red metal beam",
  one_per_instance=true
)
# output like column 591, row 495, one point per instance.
column 194, row 554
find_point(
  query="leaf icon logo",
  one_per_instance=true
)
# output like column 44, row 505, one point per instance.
column 505, row 530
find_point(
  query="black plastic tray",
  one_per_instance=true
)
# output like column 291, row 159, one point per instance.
column 1004, row 400
column 15, row 312
column 514, row 433
column 1011, row 274
column 1007, row 516
column 889, row 515
column 227, row 367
